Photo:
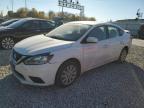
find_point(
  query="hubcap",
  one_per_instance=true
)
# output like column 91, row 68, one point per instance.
column 123, row 55
column 7, row 43
column 69, row 74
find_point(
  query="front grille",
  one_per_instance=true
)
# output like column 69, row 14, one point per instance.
column 16, row 56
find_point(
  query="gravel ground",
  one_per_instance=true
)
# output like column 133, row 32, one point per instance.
column 138, row 42
column 4, row 57
column 136, row 56
column 4, row 63
column 111, row 86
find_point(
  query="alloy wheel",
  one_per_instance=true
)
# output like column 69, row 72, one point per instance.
column 123, row 55
column 69, row 74
column 7, row 43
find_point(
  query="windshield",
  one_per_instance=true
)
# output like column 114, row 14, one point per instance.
column 6, row 23
column 16, row 24
column 69, row 32
column 52, row 23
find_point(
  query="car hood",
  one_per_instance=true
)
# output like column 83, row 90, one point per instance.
column 40, row 44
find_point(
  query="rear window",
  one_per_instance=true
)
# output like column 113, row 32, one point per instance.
column 113, row 31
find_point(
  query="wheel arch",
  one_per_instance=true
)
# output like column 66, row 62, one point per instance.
column 68, row 60
column 127, row 48
column 72, row 59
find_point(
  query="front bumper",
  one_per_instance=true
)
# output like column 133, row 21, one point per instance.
column 39, row 75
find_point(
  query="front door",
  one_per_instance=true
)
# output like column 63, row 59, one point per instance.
column 96, row 54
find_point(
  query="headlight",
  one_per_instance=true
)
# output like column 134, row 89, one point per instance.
column 38, row 60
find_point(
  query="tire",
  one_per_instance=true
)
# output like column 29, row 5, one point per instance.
column 67, row 74
column 123, row 55
column 7, row 43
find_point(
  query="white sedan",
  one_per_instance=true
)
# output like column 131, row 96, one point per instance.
column 62, row 55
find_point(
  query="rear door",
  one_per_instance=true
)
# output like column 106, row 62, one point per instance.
column 29, row 28
column 96, row 54
column 115, row 40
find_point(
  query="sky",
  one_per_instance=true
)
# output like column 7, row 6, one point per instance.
column 102, row 10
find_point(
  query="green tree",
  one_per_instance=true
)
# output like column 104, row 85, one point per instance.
column 77, row 18
column 73, row 18
column 92, row 19
column 1, row 14
column 24, row 12
column 10, row 14
column 33, row 13
column 51, row 14
column 41, row 14
column 21, row 12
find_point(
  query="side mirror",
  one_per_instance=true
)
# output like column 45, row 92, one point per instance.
column 92, row 40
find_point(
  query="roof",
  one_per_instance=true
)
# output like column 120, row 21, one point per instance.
column 85, row 22
column 92, row 23
column 33, row 19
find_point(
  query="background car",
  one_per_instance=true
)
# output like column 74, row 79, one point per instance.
column 1, row 20
column 62, row 55
column 22, row 29
column 8, row 22
column 141, row 32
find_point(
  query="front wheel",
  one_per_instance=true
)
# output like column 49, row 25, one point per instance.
column 7, row 43
column 123, row 55
column 67, row 74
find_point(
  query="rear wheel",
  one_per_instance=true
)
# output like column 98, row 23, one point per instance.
column 123, row 55
column 67, row 73
column 7, row 43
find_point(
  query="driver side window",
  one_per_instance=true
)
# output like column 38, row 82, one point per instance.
column 99, row 33
column 31, row 25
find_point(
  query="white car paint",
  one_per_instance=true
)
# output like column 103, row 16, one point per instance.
column 89, row 55
column 37, row 44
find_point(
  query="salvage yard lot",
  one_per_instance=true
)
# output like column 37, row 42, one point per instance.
column 113, row 85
